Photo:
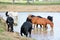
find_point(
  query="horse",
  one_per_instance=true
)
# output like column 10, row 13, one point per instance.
column 31, row 21
column 26, row 28
column 10, row 22
column 41, row 21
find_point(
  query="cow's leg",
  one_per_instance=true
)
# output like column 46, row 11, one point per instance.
column 33, row 26
column 21, row 33
column 29, row 33
column 46, row 27
column 11, row 28
column 36, row 25
column 8, row 27
column 26, row 33
column 40, row 26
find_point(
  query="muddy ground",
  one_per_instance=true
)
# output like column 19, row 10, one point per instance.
column 25, row 8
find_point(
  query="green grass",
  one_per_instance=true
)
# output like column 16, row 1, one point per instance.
column 1, row 30
column 2, row 26
column 24, row 2
column 47, row 3
column 5, row 0
column 31, row 3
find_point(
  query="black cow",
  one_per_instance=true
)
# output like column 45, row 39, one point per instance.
column 10, row 22
column 26, row 28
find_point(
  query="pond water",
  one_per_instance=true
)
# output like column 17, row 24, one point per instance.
column 38, row 34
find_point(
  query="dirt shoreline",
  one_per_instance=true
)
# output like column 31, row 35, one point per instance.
column 30, row 8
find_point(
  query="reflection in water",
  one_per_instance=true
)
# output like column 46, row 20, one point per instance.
column 39, row 34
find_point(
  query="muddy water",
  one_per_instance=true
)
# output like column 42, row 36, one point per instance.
column 38, row 34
